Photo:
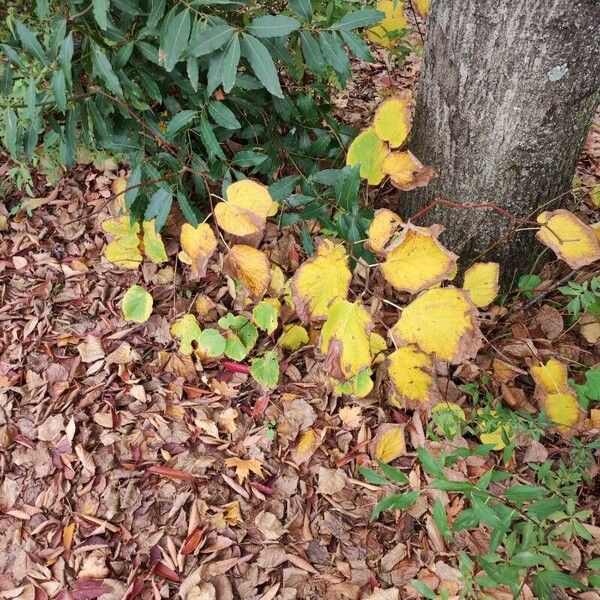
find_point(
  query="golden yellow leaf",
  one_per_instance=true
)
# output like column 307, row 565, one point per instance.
column 320, row 280
column 441, row 321
column 571, row 240
column 382, row 228
column 198, row 245
column 250, row 267
column 248, row 205
column 345, row 339
column 406, row 171
column 369, row 151
column 243, row 468
column 393, row 21
column 422, row 7
column 152, row 243
column 416, row 260
column 118, row 188
column 389, row 443
column 562, row 409
column 481, row 282
column 123, row 251
column 277, row 284
column 293, row 337
column 377, row 344
column 392, row 121
column 412, row 378
column 305, row 446
column 552, row 377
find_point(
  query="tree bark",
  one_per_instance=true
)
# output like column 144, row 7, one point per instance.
column 505, row 100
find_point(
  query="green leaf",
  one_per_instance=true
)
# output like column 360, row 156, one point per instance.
column 371, row 476
column 347, row 186
column 179, row 121
column 543, row 582
column 542, row 509
column 429, row 464
column 66, row 55
column 265, row 316
column 594, row 564
column 101, row 12
column 333, row 51
column 189, row 212
column 248, row 158
column 137, row 304
column 229, row 63
column 242, row 336
column 356, row 45
column 30, row 42
column 175, row 38
column 527, row 283
column 438, row 512
column 521, row 493
column 302, row 8
column 282, row 188
column 312, row 54
column 423, row 589
column 223, row 116
column 392, row 473
column 269, row 26
column 526, row 558
column 157, row 10
column 209, row 140
column 452, row 486
column 159, row 207
column 211, row 343
column 105, row 71
column 59, row 90
column 133, row 182
column 210, row 40
column 395, row 502
column 265, row 370
column 359, row 18
column 262, row 64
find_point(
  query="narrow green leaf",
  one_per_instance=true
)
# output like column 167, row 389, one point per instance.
column 179, row 121
column 101, row 12
column 262, row 64
column 333, row 51
column 10, row 131
column 189, row 212
column 210, row 40
column 392, row 473
column 371, row 476
column 157, row 10
column 269, row 26
column 347, row 186
column 303, row 8
column 423, row 589
column 223, row 116
column 359, row 18
column 175, row 39
column 105, row 71
column 438, row 512
column 159, row 207
column 395, row 502
column 357, row 45
column 133, row 182
column 30, row 42
column 429, row 463
column 209, row 140
column 312, row 54
column 59, row 90
column 229, row 63
column 521, row 493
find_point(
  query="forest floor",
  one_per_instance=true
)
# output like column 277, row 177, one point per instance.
column 113, row 444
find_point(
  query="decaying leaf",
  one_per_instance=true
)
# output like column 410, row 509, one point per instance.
column 406, row 171
column 198, row 245
column 245, row 212
column 416, row 260
column 441, row 321
column 265, row 314
column 392, row 121
column 351, row 416
column 293, row 337
column 250, row 267
column 137, row 304
column 481, row 282
column 389, row 442
column 152, row 244
column 393, row 21
column 243, row 468
column 412, row 377
column 345, row 339
column 382, row 228
column 208, row 342
column 368, row 151
column 571, row 240
column 320, row 280
column 123, row 251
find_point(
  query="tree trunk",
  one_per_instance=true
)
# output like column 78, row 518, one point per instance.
column 506, row 97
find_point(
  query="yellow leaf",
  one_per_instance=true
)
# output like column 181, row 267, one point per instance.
column 389, row 443
column 412, row 378
column 443, row 322
column 305, row 446
column 571, row 240
column 406, row 171
column 320, row 280
column 562, row 409
column 118, row 187
column 123, row 251
column 393, row 21
column 249, row 266
column 154, row 249
column 198, row 245
column 416, row 260
column 293, row 337
column 422, row 7
column 277, row 284
column 243, row 468
column 369, row 151
column 551, row 377
column 392, row 121
column 377, row 344
column 384, row 225
column 481, row 282
column 248, row 205
column 345, row 339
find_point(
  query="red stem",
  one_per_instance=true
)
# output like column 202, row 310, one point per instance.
column 235, row 367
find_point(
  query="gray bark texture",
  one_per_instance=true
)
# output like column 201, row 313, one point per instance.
column 505, row 101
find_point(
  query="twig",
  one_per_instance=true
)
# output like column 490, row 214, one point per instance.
column 412, row 9
column 541, row 296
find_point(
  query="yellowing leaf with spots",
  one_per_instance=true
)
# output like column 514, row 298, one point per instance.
column 406, row 171
column 412, row 377
column 186, row 328
column 245, row 212
column 392, row 121
column 382, row 228
column 152, row 243
column 389, row 443
column 198, row 245
column 345, row 339
column 441, row 321
column 416, row 260
column 481, row 282
column 265, row 314
column 250, row 267
column 394, row 20
column 137, row 304
column 123, row 251
column 293, row 337
column 369, row 151
column 243, row 468
column 320, row 280
column 571, row 240
column 277, row 284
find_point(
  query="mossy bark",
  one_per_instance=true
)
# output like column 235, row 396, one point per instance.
column 505, row 100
